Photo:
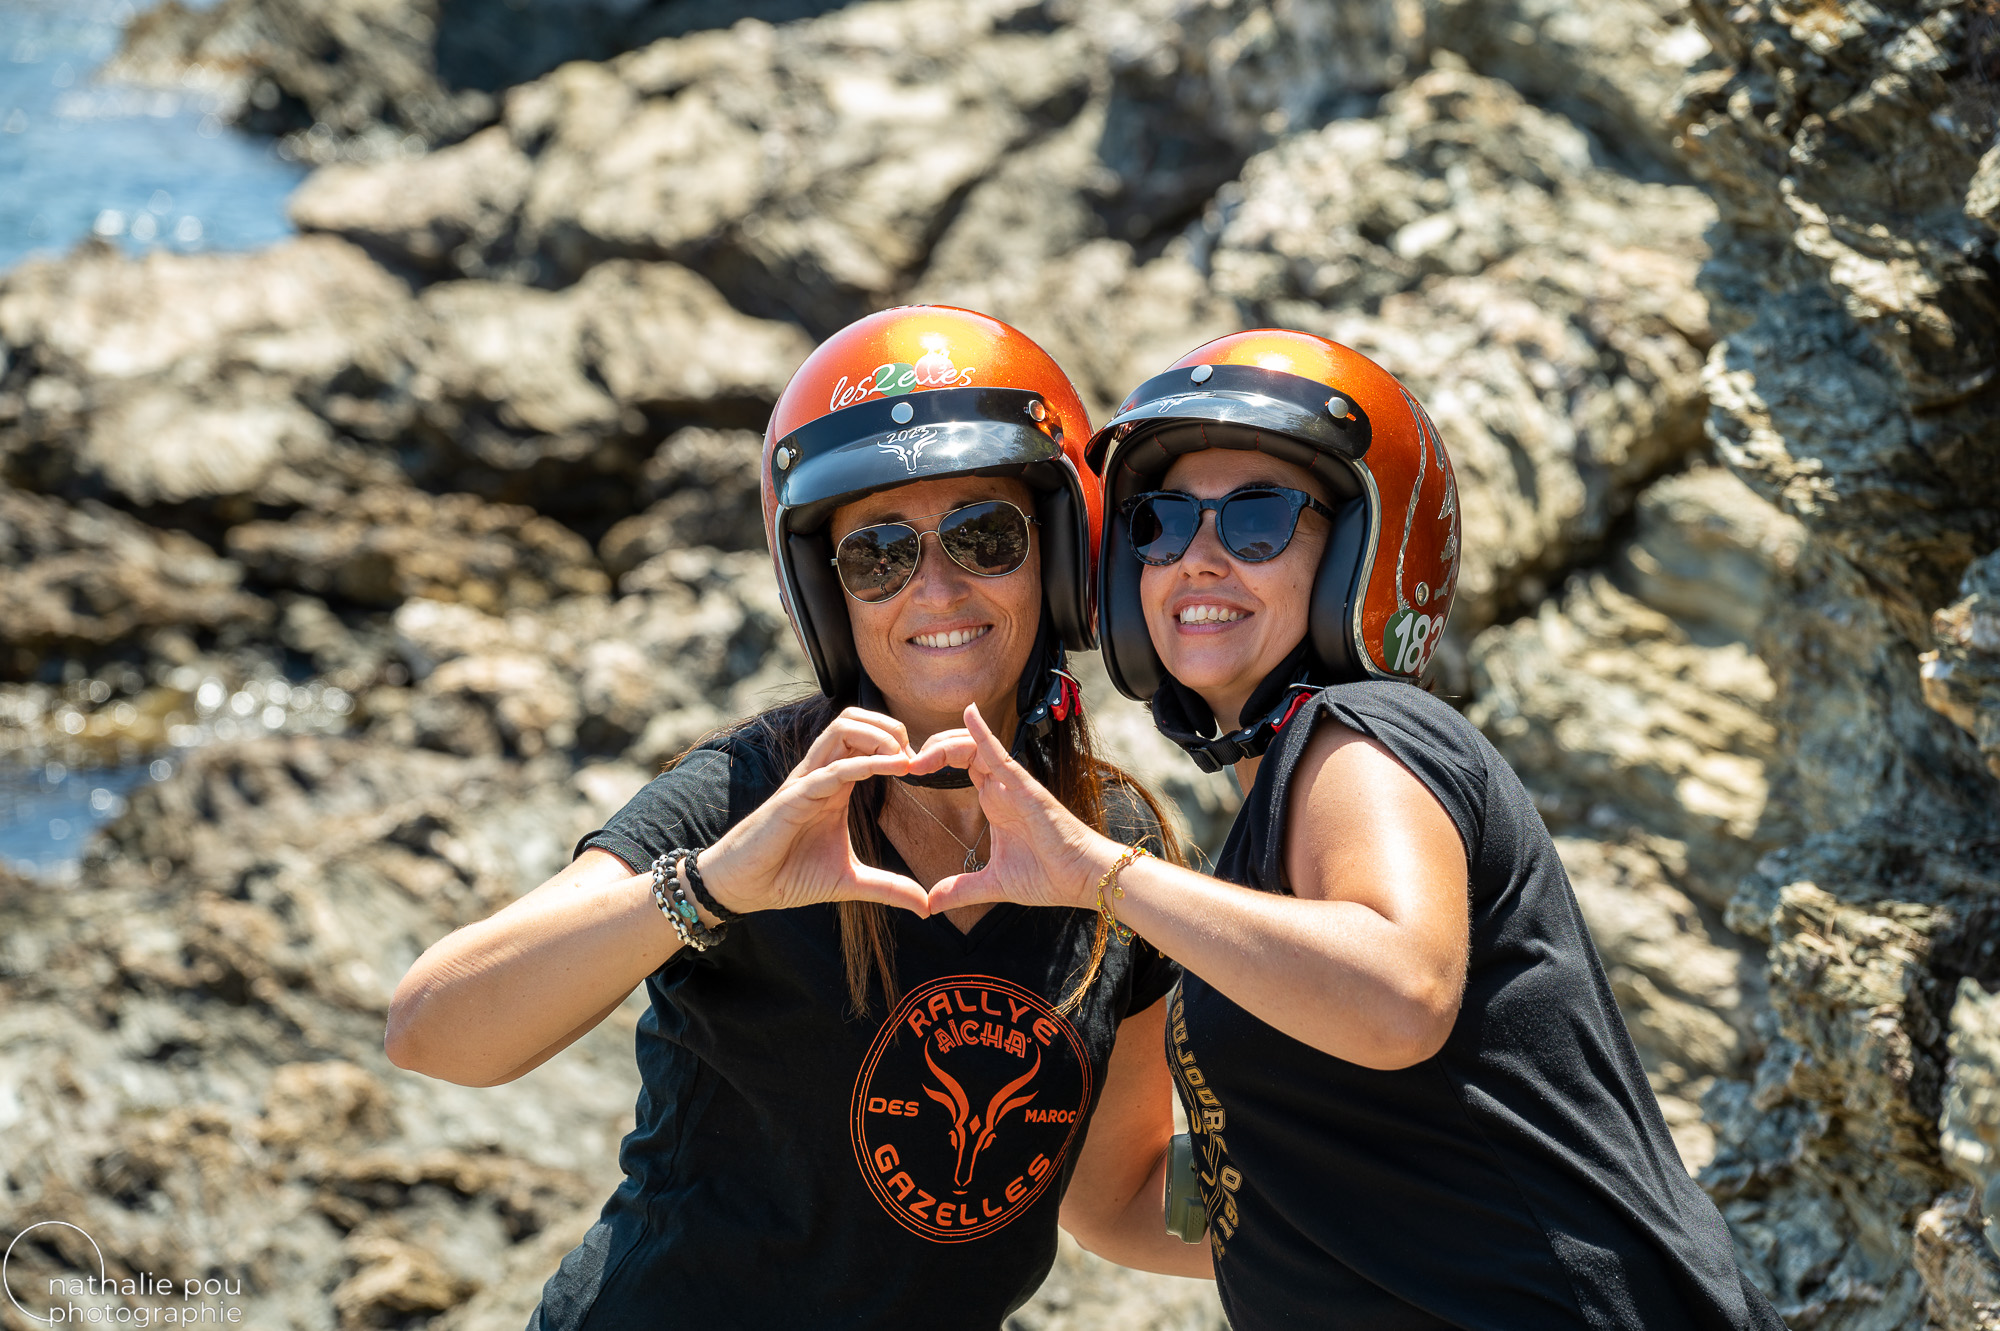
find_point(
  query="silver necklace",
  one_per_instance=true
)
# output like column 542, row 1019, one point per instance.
column 973, row 864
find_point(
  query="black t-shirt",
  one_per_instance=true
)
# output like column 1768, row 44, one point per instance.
column 1521, row 1177
column 794, row 1166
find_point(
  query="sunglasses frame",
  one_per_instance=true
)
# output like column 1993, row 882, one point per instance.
column 1299, row 500
column 1028, row 523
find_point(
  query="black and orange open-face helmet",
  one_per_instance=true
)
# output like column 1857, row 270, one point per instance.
column 1385, row 583
column 914, row 394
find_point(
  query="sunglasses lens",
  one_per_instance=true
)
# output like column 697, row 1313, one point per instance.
column 989, row 539
column 1257, row 524
column 876, row 562
column 1162, row 527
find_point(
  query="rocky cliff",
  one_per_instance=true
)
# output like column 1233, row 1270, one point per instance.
column 414, row 544
column 1850, row 151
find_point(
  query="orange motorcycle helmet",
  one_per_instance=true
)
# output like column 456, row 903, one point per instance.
column 914, row 394
column 1384, row 587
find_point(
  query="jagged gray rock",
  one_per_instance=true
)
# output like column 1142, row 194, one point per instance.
column 178, row 379
column 1949, row 1260
column 550, row 398
column 1614, row 66
column 487, row 468
column 1554, row 337
column 193, row 1045
column 1970, row 1136
column 351, row 80
column 1961, row 677
column 806, row 169
column 387, row 546
column 1855, row 387
column 708, row 483
column 80, row 580
column 1196, row 86
column 364, row 75
column 1637, row 711
column 219, row 386
column 1639, row 698
column 1864, row 320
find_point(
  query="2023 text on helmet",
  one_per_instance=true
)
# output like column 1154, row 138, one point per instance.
column 1385, row 583
column 912, row 394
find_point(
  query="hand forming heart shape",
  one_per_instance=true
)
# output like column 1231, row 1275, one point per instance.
column 794, row 849
column 1038, row 847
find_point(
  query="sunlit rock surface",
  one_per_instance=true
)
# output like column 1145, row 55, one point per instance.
column 423, row 539
column 1849, row 149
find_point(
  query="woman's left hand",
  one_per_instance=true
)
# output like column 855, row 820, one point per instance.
column 1042, row 854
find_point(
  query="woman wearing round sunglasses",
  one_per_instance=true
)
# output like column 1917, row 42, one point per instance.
column 856, row 1110
column 1412, row 1100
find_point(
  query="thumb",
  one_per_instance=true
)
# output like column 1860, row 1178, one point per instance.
column 890, row 889
column 965, row 889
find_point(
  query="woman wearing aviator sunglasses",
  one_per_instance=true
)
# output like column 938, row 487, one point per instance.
column 856, row 1110
column 1412, row 1101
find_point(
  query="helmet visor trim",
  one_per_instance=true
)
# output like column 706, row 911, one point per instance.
column 876, row 445
column 1269, row 400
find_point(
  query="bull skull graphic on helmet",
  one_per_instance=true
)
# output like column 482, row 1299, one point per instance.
column 972, row 1133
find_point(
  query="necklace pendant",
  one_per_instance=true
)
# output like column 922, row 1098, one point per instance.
column 973, row 864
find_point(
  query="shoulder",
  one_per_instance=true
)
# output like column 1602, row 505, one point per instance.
column 739, row 761
column 1408, row 721
column 711, row 787
column 1421, row 732
column 1394, row 698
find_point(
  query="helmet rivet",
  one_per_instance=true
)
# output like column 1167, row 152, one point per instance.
column 1336, row 407
column 783, row 459
column 1037, row 410
column 1200, row 373
column 1423, row 593
column 901, row 413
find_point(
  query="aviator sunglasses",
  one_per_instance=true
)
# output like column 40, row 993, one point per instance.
column 1255, row 523
column 989, row 538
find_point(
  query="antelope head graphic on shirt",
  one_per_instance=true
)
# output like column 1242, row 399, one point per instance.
column 967, row 1104
column 972, row 1133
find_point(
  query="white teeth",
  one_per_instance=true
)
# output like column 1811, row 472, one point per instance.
column 1209, row 614
column 955, row 638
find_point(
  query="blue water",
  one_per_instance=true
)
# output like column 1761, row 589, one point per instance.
column 47, row 814
column 145, row 169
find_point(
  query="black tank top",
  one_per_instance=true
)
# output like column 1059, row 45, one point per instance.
column 1522, row 1177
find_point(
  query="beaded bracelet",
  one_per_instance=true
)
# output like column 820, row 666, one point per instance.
column 703, row 895
column 1122, row 933
column 680, row 912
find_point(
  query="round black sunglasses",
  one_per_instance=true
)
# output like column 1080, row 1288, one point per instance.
column 1255, row 522
column 989, row 538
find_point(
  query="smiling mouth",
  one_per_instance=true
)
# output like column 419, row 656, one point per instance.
column 1209, row 614
column 951, row 638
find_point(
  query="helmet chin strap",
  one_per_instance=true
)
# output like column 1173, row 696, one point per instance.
column 1048, row 693
column 1184, row 716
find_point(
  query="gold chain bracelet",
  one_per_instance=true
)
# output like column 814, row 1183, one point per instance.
column 1105, row 909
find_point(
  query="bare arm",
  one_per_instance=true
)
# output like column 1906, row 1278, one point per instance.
column 494, row 1000
column 1115, row 1203
column 1366, row 963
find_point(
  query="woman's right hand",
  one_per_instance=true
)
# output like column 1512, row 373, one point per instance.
column 794, row 849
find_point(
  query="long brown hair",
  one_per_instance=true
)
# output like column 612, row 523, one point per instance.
column 1066, row 763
